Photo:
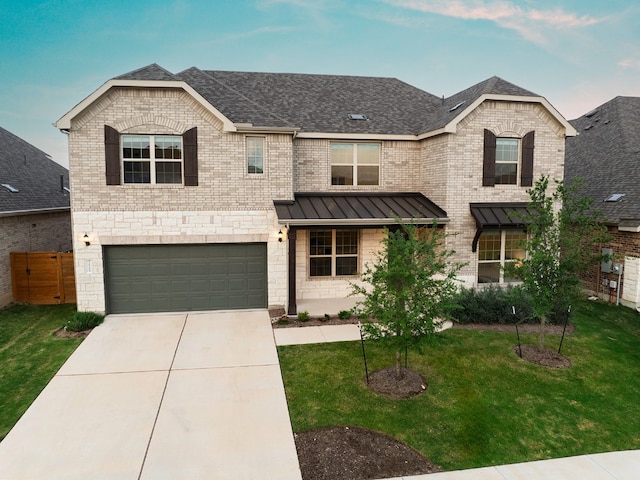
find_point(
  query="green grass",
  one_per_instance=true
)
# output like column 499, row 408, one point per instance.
column 484, row 405
column 29, row 355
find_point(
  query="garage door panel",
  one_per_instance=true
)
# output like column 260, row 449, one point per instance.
column 185, row 277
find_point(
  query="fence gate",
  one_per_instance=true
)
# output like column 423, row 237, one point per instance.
column 43, row 278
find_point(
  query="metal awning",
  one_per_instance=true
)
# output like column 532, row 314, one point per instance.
column 358, row 209
column 497, row 215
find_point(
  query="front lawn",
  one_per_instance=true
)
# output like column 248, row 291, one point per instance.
column 484, row 405
column 29, row 355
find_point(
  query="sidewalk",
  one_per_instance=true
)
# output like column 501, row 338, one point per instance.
column 623, row 465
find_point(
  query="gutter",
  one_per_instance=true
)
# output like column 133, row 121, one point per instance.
column 16, row 213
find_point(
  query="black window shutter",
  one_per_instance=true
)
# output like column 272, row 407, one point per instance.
column 190, row 144
column 526, row 178
column 112, row 155
column 489, row 159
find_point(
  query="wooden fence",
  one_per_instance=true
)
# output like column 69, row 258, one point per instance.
column 43, row 278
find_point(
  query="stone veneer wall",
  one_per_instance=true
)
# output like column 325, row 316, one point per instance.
column 30, row 233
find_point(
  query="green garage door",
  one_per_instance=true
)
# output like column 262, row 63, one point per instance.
column 176, row 278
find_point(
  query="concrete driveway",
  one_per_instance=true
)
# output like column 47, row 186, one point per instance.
column 168, row 396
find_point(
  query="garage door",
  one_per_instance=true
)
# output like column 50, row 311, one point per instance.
column 175, row 278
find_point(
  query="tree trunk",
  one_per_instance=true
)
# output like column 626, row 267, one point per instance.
column 399, row 365
column 543, row 322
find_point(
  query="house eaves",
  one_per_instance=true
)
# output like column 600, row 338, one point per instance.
column 18, row 213
column 64, row 123
column 452, row 125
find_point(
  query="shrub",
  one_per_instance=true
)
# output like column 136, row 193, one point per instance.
column 494, row 305
column 344, row 314
column 81, row 321
column 303, row 316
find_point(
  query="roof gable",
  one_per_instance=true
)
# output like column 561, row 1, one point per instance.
column 32, row 172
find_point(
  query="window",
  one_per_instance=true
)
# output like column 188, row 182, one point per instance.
column 503, row 157
column 143, row 164
column 333, row 253
column 355, row 164
column 496, row 248
column 507, row 161
column 255, row 154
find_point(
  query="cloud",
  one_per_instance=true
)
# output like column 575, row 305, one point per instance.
column 630, row 63
column 528, row 22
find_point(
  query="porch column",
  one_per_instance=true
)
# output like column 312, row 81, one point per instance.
column 292, row 308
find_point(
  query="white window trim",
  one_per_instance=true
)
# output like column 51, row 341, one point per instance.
column 333, row 255
column 152, row 160
column 355, row 163
column 518, row 161
column 502, row 261
column 264, row 156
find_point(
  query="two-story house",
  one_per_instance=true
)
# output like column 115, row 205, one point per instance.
column 218, row 190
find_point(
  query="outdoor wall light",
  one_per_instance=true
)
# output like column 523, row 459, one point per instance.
column 280, row 235
column 87, row 242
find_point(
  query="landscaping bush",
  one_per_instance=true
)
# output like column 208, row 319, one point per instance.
column 344, row 314
column 494, row 305
column 81, row 321
column 304, row 316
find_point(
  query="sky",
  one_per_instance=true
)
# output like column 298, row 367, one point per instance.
column 577, row 54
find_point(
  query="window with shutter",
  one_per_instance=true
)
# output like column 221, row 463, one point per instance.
column 151, row 159
column 504, row 156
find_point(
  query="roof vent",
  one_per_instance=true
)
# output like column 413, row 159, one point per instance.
column 588, row 127
column 615, row 197
column 66, row 189
column 456, row 106
column 357, row 116
column 11, row 188
column 591, row 113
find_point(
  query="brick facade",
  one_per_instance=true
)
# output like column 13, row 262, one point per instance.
column 228, row 205
column 626, row 251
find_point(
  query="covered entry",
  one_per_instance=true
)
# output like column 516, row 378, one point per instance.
column 174, row 278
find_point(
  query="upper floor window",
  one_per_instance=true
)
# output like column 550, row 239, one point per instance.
column 255, row 154
column 507, row 155
column 505, row 159
column 173, row 159
column 497, row 248
column 333, row 253
column 355, row 164
column 152, row 159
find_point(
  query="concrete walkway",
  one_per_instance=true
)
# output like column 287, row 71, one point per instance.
column 171, row 396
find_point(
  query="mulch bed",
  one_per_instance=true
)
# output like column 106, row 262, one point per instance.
column 354, row 453
column 386, row 383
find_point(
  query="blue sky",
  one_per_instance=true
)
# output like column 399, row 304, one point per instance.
column 576, row 53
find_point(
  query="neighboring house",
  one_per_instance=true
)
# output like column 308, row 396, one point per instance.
column 606, row 156
column 34, row 205
column 215, row 190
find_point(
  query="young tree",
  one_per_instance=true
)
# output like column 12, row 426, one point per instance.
column 409, row 289
column 563, row 236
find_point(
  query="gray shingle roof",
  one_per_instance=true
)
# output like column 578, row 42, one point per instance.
column 33, row 173
column 150, row 72
column 606, row 155
column 323, row 103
